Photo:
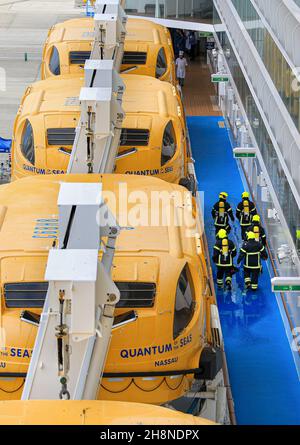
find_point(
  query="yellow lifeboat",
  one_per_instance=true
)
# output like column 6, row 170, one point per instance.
column 153, row 140
column 148, row 49
column 159, row 267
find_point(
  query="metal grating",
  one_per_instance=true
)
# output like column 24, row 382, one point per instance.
column 60, row 136
column 134, row 137
column 33, row 295
column 79, row 57
column 134, row 58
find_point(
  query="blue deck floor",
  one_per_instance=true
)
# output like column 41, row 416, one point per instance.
column 263, row 376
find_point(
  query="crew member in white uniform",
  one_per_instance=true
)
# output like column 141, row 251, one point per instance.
column 181, row 65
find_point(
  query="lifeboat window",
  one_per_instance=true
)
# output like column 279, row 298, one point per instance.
column 27, row 144
column 134, row 58
column 184, row 304
column 79, row 57
column 135, row 295
column 61, row 136
column 161, row 64
column 25, row 295
column 134, row 137
column 54, row 64
column 169, row 144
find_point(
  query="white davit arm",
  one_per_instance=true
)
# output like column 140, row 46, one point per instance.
column 110, row 31
column 77, row 320
column 75, row 326
column 98, row 133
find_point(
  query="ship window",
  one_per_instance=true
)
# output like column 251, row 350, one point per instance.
column 184, row 304
column 168, row 144
column 161, row 64
column 134, row 137
column 54, row 64
column 134, row 58
column 27, row 144
column 25, row 295
column 79, row 57
column 135, row 295
column 61, row 136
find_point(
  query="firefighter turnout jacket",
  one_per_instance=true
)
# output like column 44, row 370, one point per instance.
column 224, row 252
column 245, row 212
column 221, row 212
column 259, row 232
column 252, row 252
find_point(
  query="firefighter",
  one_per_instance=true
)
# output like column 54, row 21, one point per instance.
column 258, row 230
column 221, row 213
column 244, row 213
column 224, row 252
column 252, row 252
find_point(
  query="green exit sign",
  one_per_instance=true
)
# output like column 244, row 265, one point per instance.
column 206, row 34
column 287, row 288
column 286, row 284
column 244, row 155
column 244, row 152
column 217, row 79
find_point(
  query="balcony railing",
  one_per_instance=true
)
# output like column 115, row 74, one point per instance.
column 283, row 129
column 277, row 13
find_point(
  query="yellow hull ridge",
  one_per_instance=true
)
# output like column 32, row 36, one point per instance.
column 51, row 412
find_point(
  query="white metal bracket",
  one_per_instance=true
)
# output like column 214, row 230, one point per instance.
column 98, row 133
column 110, row 31
column 77, row 319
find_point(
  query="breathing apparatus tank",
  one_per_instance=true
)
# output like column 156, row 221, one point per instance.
column 221, row 209
column 225, row 247
column 246, row 207
column 256, row 232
